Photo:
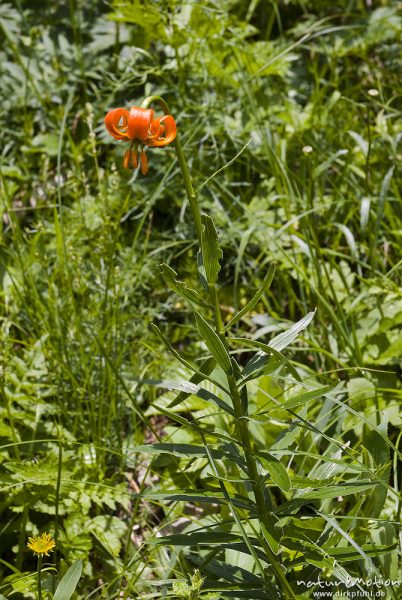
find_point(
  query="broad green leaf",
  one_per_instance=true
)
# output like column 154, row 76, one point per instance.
column 365, row 206
column 250, row 305
column 180, row 287
column 392, row 354
column 211, row 253
column 317, row 556
column 350, row 239
column 149, row 20
column 276, row 470
column 67, row 585
column 345, row 466
column 214, row 343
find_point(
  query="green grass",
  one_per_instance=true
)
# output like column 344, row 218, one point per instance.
column 169, row 473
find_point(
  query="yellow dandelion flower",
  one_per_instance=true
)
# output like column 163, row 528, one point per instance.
column 41, row 544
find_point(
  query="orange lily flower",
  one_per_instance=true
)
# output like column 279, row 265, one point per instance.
column 138, row 126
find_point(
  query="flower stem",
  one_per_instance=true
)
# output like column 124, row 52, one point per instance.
column 39, row 577
column 195, row 209
column 244, row 434
column 241, row 422
column 258, row 488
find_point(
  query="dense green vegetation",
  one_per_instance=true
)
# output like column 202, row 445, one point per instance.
column 279, row 464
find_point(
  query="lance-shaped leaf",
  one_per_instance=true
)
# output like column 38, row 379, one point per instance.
column 67, row 585
column 190, row 388
column 284, row 339
column 272, row 532
column 211, row 254
column 180, row 287
column 276, row 470
column 214, row 343
column 326, row 493
column 188, row 451
column 205, row 369
column 155, row 329
column 181, row 495
column 215, row 538
column 277, row 344
column 302, row 399
column 259, row 361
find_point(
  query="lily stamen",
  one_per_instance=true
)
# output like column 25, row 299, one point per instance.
column 144, row 162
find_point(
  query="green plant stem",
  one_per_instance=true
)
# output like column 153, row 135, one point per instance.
column 241, row 423
column 40, row 577
column 258, row 489
column 244, row 434
column 195, row 209
column 217, row 313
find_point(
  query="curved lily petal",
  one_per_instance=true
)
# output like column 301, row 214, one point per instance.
column 139, row 126
column 155, row 130
column 116, row 122
column 139, row 122
column 163, row 131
